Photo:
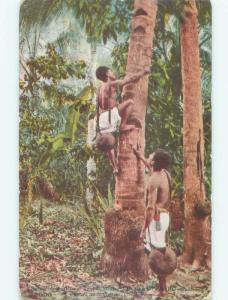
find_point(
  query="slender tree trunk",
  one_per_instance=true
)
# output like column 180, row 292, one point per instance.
column 91, row 165
column 196, row 227
column 124, row 255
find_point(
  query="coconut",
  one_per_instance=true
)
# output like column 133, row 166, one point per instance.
column 105, row 141
column 163, row 262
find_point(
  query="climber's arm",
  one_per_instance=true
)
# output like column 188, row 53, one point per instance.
column 141, row 157
column 130, row 78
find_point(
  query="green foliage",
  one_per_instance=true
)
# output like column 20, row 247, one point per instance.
column 53, row 66
column 61, row 140
column 44, row 72
column 204, row 13
column 119, row 56
column 43, row 99
column 171, row 7
column 103, row 19
column 164, row 114
column 52, row 117
column 177, row 241
column 93, row 215
column 38, row 13
column 72, row 123
column 35, row 16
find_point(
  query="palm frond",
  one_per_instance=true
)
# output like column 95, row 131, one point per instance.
column 40, row 13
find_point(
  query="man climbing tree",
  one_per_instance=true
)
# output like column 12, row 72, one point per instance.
column 112, row 116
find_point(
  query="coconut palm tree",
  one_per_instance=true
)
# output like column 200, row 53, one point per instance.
column 196, row 224
column 123, row 254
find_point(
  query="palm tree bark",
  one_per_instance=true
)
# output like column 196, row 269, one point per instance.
column 124, row 255
column 196, row 227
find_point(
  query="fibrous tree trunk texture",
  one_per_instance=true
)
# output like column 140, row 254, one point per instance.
column 177, row 214
column 124, row 255
column 196, row 228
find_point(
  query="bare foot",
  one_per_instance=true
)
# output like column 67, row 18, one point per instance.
column 115, row 172
column 154, row 292
column 125, row 128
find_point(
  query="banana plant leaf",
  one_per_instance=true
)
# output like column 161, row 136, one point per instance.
column 86, row 94
column 56, row 143
column 61, row 139
column 72, row 123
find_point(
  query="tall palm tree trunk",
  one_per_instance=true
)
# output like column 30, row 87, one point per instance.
column 196, row 226
column 124, row 255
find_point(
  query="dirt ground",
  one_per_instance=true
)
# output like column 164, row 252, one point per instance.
column 56, row 263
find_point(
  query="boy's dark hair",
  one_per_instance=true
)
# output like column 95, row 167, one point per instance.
column 161, row 159
column 101, row 73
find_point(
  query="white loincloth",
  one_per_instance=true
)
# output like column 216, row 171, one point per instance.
column 157, row 238
column 106, row 126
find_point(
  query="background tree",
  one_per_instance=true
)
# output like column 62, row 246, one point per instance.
column 196, row 224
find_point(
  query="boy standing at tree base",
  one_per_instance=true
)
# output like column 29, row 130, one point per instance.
column 158, row 193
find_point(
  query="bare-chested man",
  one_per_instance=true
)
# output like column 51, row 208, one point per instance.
column 157, row 201
column 113, row 116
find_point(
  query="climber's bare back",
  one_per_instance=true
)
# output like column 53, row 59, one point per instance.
column 158, row 189
column 106, row 97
